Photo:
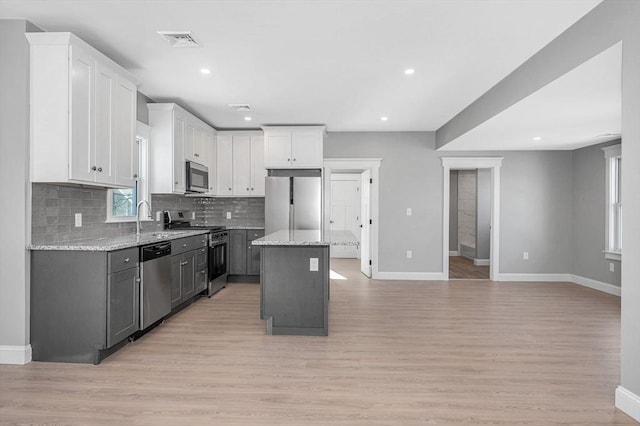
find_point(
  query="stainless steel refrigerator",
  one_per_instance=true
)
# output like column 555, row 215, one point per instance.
column 293, row 200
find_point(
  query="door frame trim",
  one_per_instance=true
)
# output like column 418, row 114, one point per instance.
column 471, row 163
column 373, row 165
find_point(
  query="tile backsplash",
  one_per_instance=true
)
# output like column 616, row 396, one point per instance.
column 55, row 206
column 244, row 211
column 53, row 214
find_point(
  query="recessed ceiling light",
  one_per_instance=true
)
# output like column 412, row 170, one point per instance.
column 384, row 118
column 205, row 71
column 409, row 71
column 247, row 118
column 537, row 138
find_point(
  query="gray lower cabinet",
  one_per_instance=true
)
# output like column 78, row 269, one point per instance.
column 244, row 259
column 238, row 252
column 123, row 305
column 82, row 303
column 189, row 269
column 182, row 277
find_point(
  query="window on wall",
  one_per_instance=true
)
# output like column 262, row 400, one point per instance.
column 613, row 243
column 121, row 203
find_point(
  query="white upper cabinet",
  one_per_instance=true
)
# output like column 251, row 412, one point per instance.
column 240, row 156
column 83, row 114
column 224, row 164
column 293, row 147
column 258, row 172
column 176, row 137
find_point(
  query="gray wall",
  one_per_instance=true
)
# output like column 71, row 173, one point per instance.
column 453, row 211
column 15, row 189
column 589, row 209
column 410, row 176
column 467, row 199
column 608, row 23
column 142, row 110
column 535, row 202
column 483, row 214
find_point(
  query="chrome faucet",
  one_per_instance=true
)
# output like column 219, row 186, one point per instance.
column 140, row 203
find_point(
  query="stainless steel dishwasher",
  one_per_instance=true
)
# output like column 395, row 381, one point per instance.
column 155, row 286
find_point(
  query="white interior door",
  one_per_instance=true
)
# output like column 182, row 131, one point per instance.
column 365, row 229
column 345, row 211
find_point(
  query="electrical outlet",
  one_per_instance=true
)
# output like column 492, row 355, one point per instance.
column 78, row 220
column 313, row 264
column 193, row 215
column 158, row 216
column 525, row 255
column 612, row 267
column 228, row 215
column 409, row 211
column 409, row 254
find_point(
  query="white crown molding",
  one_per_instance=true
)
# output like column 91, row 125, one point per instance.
column 461, row 163
column 628, row 402
column 612, row 151
column 18, row 355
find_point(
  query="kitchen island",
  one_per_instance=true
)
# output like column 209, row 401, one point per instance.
column 294, row 280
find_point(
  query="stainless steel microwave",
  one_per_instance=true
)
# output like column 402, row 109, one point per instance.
column 197, row 177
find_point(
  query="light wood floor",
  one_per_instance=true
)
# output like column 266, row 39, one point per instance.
column 461, row 268
column 404, row 353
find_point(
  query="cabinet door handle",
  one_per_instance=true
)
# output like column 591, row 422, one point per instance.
column 138, row 280
column 176, row 182
column 247, row 189
column 252, row 189
column 100, row 169
column 184, row 245
column 126, row 260
column 294, row 159
column 186, row 262
column 288, row 159
column 94, row 168
column 229, row 189
column 196, row 155
column 202, row 250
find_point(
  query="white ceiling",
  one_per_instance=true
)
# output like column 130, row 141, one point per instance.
column 339, row 63
column 581, row 108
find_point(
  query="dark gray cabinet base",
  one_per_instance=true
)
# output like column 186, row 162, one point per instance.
column 244, row 259
column 293, row 299
column 78, row 309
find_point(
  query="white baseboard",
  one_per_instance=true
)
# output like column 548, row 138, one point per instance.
column 533, row 277
column 628, row 402
column 411, row 276
column 15, row 354
column 453, row 253
column 482, row 262
column 596, row 285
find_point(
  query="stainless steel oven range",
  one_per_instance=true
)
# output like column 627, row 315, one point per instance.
column 218, row 247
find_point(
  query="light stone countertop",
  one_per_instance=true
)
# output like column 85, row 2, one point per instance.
column 307, row 238
column 117, row 243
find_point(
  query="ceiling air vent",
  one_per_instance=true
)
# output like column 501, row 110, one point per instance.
column 179, row 38
column 240, row 107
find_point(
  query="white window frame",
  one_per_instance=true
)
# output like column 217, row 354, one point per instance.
column 143, row 133
column 613, row 223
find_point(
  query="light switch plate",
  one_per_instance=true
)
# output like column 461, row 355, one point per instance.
column 313, row 264
column 612, row 267
column 525, row 255
column 78, row 218
column 409, row 211
column 193, row 215
column 409, row 254
column 228, row 215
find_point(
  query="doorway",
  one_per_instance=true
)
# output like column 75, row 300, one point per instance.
column 346, row 214
column 364, row 173
column 492, row 165
column 469, row 223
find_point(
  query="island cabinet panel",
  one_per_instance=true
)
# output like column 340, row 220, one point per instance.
column 294, row 295
column 79, row 311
